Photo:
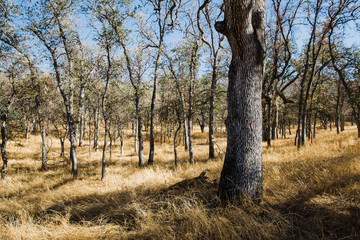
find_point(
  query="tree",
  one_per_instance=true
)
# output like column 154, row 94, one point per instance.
column 214, row 44
column 164, row 17
column 244, row 27
column 48, row 21
column 279, row 71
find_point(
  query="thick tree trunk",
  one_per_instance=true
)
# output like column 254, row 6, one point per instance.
column 43, row 145
column 244, row 27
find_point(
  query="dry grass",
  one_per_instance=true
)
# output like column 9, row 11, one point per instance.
column 313, row 193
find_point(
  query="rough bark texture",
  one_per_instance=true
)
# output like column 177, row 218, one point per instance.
column 244, row 27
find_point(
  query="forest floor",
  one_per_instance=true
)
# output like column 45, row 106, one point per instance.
column 311, row 193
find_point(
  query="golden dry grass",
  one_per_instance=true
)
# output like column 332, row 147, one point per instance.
column 312, row 193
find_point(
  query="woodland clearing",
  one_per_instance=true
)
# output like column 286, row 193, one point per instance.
column 311, row 193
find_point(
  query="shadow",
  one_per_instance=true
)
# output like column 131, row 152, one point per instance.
column 39, row 188
column 127, row 208
column 323, row 208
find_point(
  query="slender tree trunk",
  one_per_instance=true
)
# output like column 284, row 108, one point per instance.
column 111, row 145
column 314, row 129
column 186, row 129
column 275, row 122
column 96, row 128
column 27, row 129
column 175, row 146
column 89, row 137
column 73, row 144
column 244, row 27
column 85, row 126
column 212, row 108
column 268, row 122
column 103, row 161
column 136, row 136
column 152, row 108
column 139, row 132
column 141, row 144
column 3, row 150
column 121, row 143
column 43, row 145
column 337, row 113
column 191, row 153
column 81, row 114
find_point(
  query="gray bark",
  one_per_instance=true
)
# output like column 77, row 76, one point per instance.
column 244, row 27
column 43, row 145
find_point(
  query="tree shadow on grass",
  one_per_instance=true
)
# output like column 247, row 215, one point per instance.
column 302, row 214
column 126, row 208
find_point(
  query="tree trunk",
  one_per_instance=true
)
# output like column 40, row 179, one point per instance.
column 244, row 27
column 191, row 153
column 139, row 130
column 211, row 109
column 136, row 136
column 73, row 143
column 268, row 122
column 175, row 146
column 186, row 129
column 27, row 129
column 141, row 144
column 103, row 161
column 152, row 108
column 43, row 145
column 96, row 128
column 81, row 114
column 314, row 129
column 3, row 151
column 89, row 136
column 337, row 113
column 121, row 143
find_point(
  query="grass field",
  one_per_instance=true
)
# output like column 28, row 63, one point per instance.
column 312, row 193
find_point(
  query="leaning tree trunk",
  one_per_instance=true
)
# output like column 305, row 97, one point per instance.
column 244, row 27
